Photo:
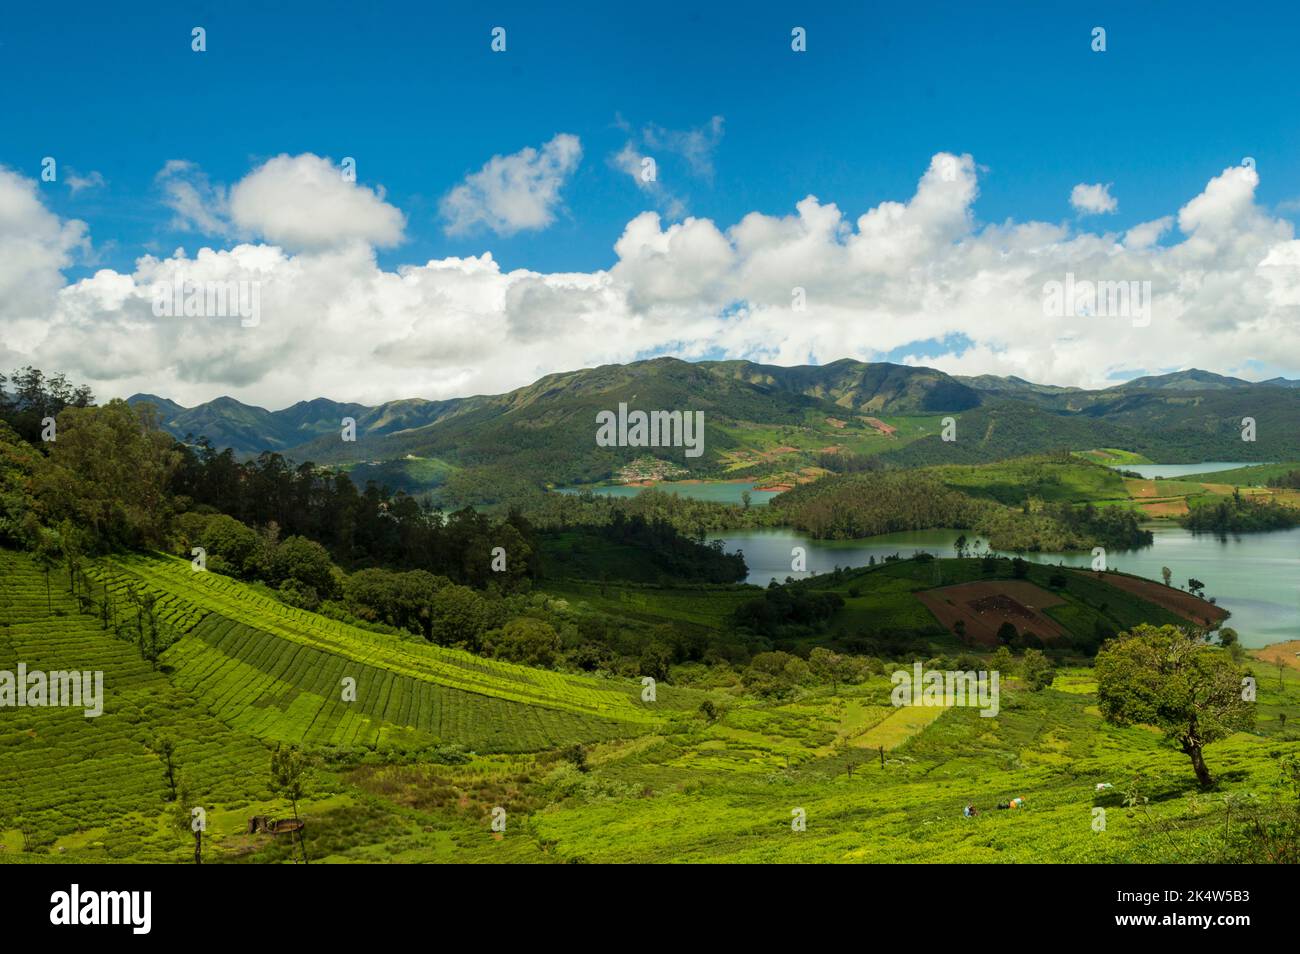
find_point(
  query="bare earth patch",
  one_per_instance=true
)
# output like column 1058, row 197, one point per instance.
column 1165, row 508
column 1139, row 488
column 1189, row 607
column 1287, row 653
column 985, row 605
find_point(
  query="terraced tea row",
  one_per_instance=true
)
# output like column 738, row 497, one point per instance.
column 172, row 610
column 273, row 652
column 277, row 689
column 64, row 773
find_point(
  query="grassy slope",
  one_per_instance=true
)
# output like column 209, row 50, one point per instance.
column 1112, row 456
column 1257, row 475
column 1085, row 481
column 726, row 793
column 885, row 601
column 687, row 791
column 1049, row 479
column 279, row 672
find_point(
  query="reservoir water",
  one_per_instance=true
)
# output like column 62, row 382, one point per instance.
column 1152, row 471
column 1255, row 576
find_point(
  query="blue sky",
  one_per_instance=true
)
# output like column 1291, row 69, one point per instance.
column 945, row 272
column 413, row 92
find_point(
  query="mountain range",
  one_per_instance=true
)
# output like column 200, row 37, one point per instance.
column 543, row 433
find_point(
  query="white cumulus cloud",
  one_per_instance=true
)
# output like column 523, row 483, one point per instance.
column 306, row 202
column 515, row 193
column 299, row 202
column 918, row 276
column 1093, row 199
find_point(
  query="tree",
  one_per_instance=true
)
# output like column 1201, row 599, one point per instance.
column 960, row 546
column 1167, row 573
column 1007, row 633
column 228, row 543
column 49, row 552
column 458, row 617
column 528, row 641
column 306, row 561
column 107, row 473
column 288, row 771
column 1003, row 661
column 577, row 754
column 1037, row 670
column 655, row 660
column 827, row 666
column 745, row 498
column 165, row 749
column 774, row 673
column 1168, row 678
column 184, row 820
column 1194, row 586
column 288, row 768
column 74, row 549
column 149, row 636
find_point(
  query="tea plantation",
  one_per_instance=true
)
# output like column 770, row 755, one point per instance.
column 435, row 741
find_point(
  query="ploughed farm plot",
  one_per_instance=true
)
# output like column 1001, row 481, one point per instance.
column 1179, row 602
column 983, row 607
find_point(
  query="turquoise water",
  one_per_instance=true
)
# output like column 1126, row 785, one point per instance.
column 1151, row 471
column 716, row 491
column 1254, row 576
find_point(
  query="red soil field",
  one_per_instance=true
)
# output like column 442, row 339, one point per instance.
column 1189, row 607
column 987, row 604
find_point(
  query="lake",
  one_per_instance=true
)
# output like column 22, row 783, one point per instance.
column 1254, row 576
column 1152, row 471
column 716, row 491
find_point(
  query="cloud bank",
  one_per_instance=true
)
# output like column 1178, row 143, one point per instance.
column 921, row 277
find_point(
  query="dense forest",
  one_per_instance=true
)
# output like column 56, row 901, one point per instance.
column 858, row 505
column 1162, row 426
column 1291, row 480
column 28, row 397
column 631, row 547
column 1237, row 514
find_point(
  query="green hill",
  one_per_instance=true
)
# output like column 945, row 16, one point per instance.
column 663, row 782
column 277, row 672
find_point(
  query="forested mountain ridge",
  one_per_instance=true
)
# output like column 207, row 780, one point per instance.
column 249, row 430
column 488, row 448
column 744, row 387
